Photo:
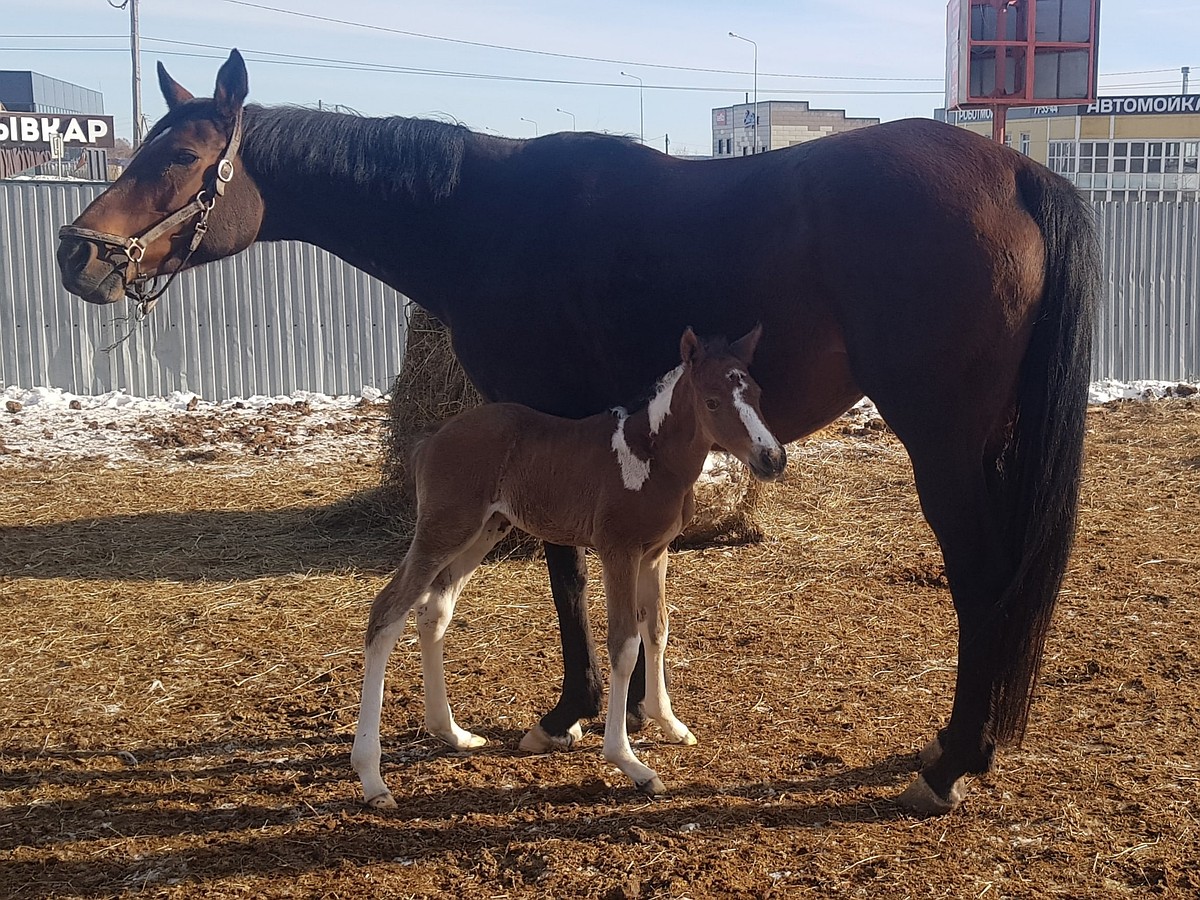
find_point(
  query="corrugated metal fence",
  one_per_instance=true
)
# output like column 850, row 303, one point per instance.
column 278, row 318
column 285, row 317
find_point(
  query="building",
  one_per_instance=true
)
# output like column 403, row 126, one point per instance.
column 33, row 92
column 1116, row 148
column 36, row 105
column 780, row 123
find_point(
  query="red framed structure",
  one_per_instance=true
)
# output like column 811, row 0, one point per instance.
column 1005, row 53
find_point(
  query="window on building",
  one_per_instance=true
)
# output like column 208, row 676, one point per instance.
column 1130, row 170
column 1025, row 142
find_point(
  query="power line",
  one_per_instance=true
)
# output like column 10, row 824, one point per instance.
column 599, row 59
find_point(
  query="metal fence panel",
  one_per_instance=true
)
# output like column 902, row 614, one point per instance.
column 278, row 318
column 289, row 316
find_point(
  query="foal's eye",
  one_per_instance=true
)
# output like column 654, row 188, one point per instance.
column 184, row 158
column 712, row 403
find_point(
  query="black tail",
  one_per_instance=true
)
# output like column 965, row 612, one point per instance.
column 1044, row 462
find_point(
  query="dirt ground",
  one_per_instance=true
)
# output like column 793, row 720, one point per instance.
column 180, row 668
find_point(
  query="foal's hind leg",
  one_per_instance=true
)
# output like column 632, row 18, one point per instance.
column 433, row 617
column 653, row 626
column 421, row 566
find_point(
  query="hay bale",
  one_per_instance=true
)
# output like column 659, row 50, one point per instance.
column 432, row 387
column 727, row 501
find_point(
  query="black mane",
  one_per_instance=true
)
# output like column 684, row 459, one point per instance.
column 413, row 158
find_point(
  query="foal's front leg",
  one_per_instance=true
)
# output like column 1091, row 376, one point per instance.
column 653, row 626
column 620, row 586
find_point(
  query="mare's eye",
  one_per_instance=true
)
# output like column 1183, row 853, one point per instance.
column 184, row 158
column 712, row 402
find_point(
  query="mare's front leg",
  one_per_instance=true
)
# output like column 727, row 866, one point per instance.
column 653, row 625
column 621, row 588
column 582, row 686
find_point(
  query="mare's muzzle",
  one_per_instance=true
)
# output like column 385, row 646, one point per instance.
column 87, row 272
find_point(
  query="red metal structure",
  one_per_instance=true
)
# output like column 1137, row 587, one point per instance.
column 1004, row 53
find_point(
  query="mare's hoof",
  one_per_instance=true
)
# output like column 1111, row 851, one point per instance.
column 634, row 721
column 382, row 801
column 931, row 752
column 538, row 740
column 652, row 788
column 919, row 798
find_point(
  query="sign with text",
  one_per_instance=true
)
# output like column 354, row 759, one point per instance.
column 35, row 130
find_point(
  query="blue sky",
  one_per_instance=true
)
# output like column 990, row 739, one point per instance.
column 868, row 57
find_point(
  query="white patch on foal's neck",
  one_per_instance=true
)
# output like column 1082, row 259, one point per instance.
column 759, row 433
column 660, row 405
column 634, row 470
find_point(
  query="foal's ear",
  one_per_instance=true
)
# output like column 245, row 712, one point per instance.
column 233, row 84
column 173, row 92
column 743, row 348
column 690, row 348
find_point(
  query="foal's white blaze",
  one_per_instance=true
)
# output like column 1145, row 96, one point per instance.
column 634, row 470
column 660, row 406
column 759, row 433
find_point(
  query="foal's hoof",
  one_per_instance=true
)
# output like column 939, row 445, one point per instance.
column 382, row 801
column 919, row 798
column 538, row 740
column 461, row 741
column 652, row 788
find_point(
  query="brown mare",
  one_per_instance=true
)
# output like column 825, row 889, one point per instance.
column 618, row 483
column 950, row 279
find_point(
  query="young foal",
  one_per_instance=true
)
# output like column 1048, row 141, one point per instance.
column 616, row 482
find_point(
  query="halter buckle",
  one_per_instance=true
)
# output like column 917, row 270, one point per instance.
column 225, row 169
column 135, row 250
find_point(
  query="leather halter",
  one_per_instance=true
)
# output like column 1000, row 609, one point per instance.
column 133, row 249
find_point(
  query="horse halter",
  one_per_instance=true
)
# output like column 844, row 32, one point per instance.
column 133, row 249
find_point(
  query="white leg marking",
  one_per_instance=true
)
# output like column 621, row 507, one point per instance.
column 365, row 755
column 634, row 470
column 657, row 704
column 616, row 739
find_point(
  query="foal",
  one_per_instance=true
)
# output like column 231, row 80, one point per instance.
column 616, row 482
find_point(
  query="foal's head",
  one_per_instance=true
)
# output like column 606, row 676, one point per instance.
column 727, row 401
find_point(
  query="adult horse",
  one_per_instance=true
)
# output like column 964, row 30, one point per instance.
column 950, row 279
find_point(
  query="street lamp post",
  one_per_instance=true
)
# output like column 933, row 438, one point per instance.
column 533, row 123
column 641, row 106
column 748, row 41
column 566, row 113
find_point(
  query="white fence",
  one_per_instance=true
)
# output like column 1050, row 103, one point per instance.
column 285, row 317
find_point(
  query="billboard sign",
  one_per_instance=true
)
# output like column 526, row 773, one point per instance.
column 35, row 130
column 1020, row 52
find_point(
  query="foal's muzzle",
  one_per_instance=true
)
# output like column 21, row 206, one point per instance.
column 768, row 463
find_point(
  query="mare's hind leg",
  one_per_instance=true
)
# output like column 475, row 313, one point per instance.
column 422, row 564
column 962, row 510
column 433, row 617
column 653, row 626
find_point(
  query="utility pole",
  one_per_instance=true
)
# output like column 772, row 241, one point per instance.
column 135, row 50
column 1186, row 70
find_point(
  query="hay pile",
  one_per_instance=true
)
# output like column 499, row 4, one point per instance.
column 432, row 387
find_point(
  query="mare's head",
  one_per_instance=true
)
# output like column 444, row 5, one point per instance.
column 183, row 200
column 727, row 401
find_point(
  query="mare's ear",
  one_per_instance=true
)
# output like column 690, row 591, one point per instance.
column 743, row 348
column 233, row 84
column 690, row 348
column 173, row 92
